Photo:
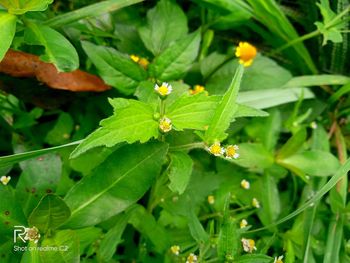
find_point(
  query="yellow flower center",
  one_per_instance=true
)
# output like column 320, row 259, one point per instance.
column 255, row 203
column 197, row 89
column 246, row 53
column 243, row 223
column 143, row 63
column 245, row 184
column 165, row 125
column 191, row 258
column 231, row 151
column 135, row 58
column 5, row 179
column 175, row 250
column 163, row 90
column 211, row 199
column 248, row 245
column 216, row 149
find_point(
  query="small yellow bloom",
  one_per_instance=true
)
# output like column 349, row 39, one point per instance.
column 198, row 89
column 164, row 89
column 211, row 199
column 313, row 125
column 246, row 53
column 231, row 152
column 216, row 149
column 175, row 250
column 255, row 203
column 5, row 179
column 192, row 258
column 143, row 63
column 135, row 58
column 165, row 124
column 243, row 223
column 245, row 184
column 278, row 260
column 248, row 245
column 32, row 234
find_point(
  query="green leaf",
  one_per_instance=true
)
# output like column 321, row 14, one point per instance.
column 225, row 110
column 180, row 171
column 39, row 177
column 254, row 156
column 61, row 131
column 292, row 145
column 112, row 238
column 87, row 236
column 247, row 111
column 166, row 22
column 132, row 122
column 263, row 99
column 58, row 50
column 115, row 68
column 89, row 11
column 331, row 34
column 20, row 7
column 67, row 244
column 50, row 213
column 256, row 258
column 11, row 213
column 196, row 228
column 192, row 112
column 317, row 80
column 7, row 32
column 315, row 163
column 147, row 225
column 174, row 61
column 135, row 167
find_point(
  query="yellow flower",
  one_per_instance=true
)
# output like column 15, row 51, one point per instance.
column 198, row 89
column 255, row 203
column 211, row 199
column 192, row 258
column 164, row 89
column 135, row 58
column 165, row 124
column 313, row 125
column 243, row 223
column 246, row 53
column 175, row 250
column 278, row 260
column 216, row 149
column 231, row 152
column 5, row 179
column 248, row 245
column 245, row 184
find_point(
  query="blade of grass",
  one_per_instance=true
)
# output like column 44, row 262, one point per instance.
column 317, row 80
column 15, row 158
column 89, row 11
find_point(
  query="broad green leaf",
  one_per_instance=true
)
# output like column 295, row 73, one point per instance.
column 135, row 167
column 331, row 34
column 225, row 110
column 89, row 11
column 180, row 171
column 50, row 213
column 132, row 122
column 61, row 131
column 87, row 236
column 292, row 145
column 174, row 61
column 247, row 111
column 196, row 228
column 7, row 32
column 166, row 22
column 263, row 99
column 67, row 244
column 11, row 213
column 39, row 177
column 112, row 238
column 192, row 112
column 58, row 50
column 253, row 156
column 315, row 163
column 147, row 225
column 19, row 7
column 320, row 140
column 254, row 258
column 115, row 68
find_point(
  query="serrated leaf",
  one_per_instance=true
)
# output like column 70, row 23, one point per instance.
column 180, row 171
column 58, row 50
column 68, row 247
column 7, row 32
column 225, row 110
column 21, row 7
column 115, row 68
column 315, row 163
column 192, row 112
column 174, row 61
column 121, row 180
column 166, row 22
column 132, row 122
column 50, row 213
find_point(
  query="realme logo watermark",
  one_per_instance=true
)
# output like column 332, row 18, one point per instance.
column 23, row 234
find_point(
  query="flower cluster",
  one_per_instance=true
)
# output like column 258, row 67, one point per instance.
column 245, row 184
column 248, row 245
column 246, row 53
column 243, row 223
column 192, row 258
column 5, row 179
column 165, row 125
column 230, row 152
column 175, row 250
column 32, row 234
column 141, row 61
